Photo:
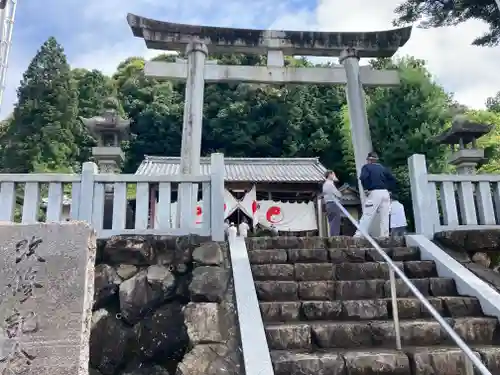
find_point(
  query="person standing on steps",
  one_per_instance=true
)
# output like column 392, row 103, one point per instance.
column 232, row 232
column 377, row 180
column 243, row 228
column 333, row 212
column 398, row 221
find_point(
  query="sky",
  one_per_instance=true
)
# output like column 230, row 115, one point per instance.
column 96, row 35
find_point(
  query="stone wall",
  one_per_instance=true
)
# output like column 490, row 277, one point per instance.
column 478, row 250
column 164, row 306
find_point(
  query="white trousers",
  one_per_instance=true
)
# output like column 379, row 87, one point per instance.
column 377, row 202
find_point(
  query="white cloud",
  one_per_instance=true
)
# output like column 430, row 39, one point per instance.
column 470, row 72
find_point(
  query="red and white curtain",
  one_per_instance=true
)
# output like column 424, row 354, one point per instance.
column 285, row 216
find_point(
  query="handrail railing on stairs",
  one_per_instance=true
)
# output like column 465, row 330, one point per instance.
column 393, row 269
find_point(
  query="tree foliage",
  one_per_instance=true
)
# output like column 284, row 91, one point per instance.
column 41, row 135
column 437, row 13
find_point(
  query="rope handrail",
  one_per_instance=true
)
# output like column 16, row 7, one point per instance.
column 394, row 269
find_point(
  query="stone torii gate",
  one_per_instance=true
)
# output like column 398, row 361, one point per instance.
column 199, row 41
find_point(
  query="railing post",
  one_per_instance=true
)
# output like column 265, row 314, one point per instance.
column 420, row 197
column 217, row 196
column 89, row 169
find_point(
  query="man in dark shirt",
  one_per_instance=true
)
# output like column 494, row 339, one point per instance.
column 377, row 181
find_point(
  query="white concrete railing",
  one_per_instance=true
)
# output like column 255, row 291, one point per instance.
column 451, row 202
column 21, row 196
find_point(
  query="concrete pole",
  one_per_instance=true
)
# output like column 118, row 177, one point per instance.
column 360, row 131
column 193, row 108
column 197, row 53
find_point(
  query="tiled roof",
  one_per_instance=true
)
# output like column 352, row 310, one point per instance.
column 291, row 170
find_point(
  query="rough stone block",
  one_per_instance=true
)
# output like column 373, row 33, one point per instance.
column 137, row 297
column 276, row 290
column 136, row 250
column 289, row 336
column 46, row 295
column 212, row 359
column 110, row 341
column 208, row 284
column 359, row 289
column 163, row 334
column 106, row 284
column 458, row 307
column 208, row 254
column 364, row 271
column 440, row 286
column 314, row 271
column 484, row 240
column 316, row 290
column 477, row 330
column 307, row 255
column 377, row 362
column 203, row 323
column 342, row 334
column 439, row 361
column 321, row 310
column 268, row 256
column 402, row 290
column 412, row 308
column 269, row 272
column 280, row 311
column 365, row 310
column 420, row 269
column 413, row 333
column 290, row 363
column 347, row 255
column 491, row 358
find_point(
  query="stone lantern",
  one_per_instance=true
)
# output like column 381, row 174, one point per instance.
column 109, row 129
column 461, row 138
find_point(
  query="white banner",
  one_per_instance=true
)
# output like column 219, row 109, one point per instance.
column 230, row 205
column 285, row 216
column 249, row 205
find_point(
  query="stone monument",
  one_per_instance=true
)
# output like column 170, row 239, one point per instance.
column 46, row 296
column 461, row 138
column 199, row 41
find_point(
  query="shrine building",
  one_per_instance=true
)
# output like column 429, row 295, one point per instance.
column 287, row 191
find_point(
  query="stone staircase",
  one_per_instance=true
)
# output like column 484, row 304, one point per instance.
column 327, row 310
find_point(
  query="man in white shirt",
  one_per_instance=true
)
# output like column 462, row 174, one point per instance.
column 397, row 218
column 333, row 212
column 243, row 228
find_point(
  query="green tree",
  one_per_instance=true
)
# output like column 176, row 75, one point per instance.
column 41, row 135
column 93, row 90
column 437, row 13
column 493, row 103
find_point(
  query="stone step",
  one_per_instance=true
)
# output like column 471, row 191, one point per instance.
column 408, row 308
column 337, row 255
column 290, row 242
column 269, row 291
column 415, row 361
column 356, row 334
column 416, row 269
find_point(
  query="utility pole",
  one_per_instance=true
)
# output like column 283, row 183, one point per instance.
column 7, row 15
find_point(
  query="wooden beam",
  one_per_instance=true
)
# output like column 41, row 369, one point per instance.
column 272, row 74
